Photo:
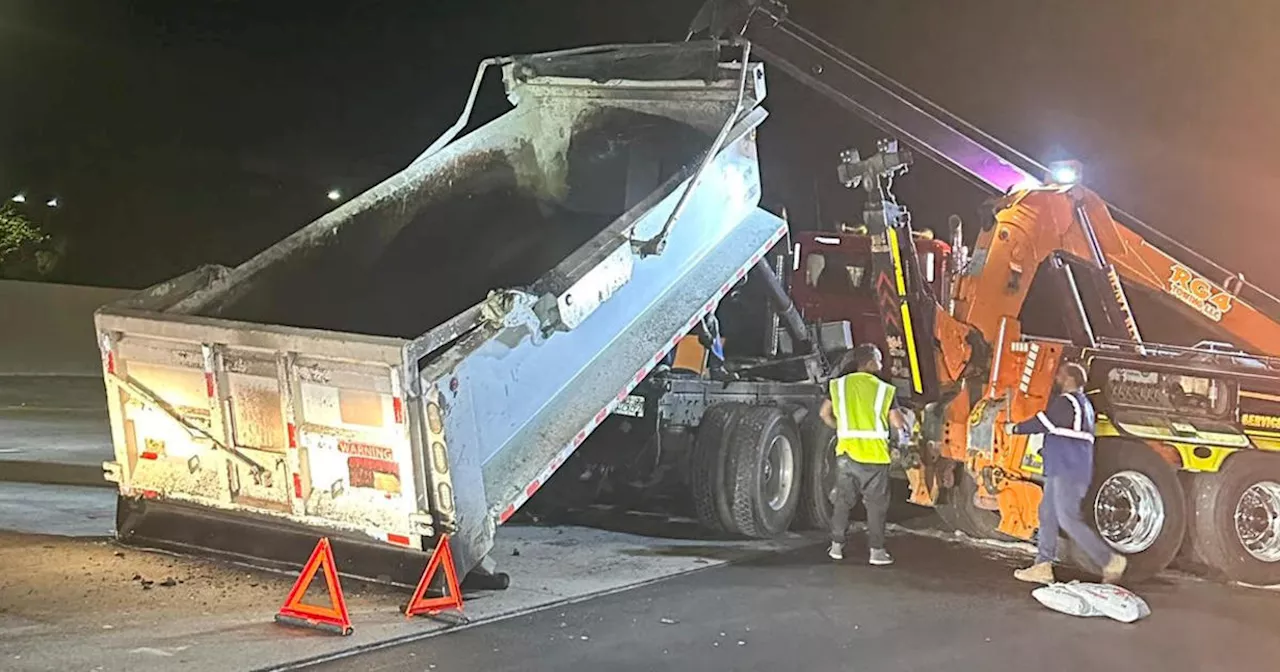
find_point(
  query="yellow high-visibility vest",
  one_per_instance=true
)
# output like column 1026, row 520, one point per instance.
column 861, row 403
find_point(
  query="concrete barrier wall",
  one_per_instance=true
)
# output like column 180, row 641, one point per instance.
column 48, row 329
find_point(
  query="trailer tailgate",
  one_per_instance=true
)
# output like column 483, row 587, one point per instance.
column 306, row 425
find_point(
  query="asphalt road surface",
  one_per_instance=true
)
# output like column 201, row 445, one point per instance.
column 942, row 607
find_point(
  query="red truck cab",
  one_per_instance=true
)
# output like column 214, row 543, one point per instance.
column 831, row 278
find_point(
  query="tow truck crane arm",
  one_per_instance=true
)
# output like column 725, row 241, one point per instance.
column 1032, row 225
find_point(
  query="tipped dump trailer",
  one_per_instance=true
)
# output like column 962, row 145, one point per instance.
column 418, row 361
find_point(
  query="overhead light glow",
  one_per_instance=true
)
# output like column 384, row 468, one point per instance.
column 53, row 202
column 334, row 195
column 19, row 198
column 1065, row 172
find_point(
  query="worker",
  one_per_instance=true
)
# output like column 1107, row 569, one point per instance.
column 861, row 408
column 1068, row 424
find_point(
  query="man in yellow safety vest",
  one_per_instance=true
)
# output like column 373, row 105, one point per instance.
column 861, row 409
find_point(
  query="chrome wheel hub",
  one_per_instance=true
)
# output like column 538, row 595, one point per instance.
column 778, row 473
column 1257, row 521
column 1129, row 511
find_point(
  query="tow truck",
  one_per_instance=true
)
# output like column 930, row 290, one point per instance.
column 1210, row 412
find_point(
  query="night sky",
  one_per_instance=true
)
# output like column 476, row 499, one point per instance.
column 180, row 133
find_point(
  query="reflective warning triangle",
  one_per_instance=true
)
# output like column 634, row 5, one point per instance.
column 333, row 618
column 452, row 598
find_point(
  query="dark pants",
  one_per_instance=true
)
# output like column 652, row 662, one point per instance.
column 855, row 480
column 1060, row 510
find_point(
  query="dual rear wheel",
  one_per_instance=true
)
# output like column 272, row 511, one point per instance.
column 745, row 471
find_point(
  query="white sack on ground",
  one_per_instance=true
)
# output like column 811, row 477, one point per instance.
column 1093, row 599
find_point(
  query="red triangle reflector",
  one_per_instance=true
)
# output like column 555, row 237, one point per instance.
column 452, row 597
column 333, row 618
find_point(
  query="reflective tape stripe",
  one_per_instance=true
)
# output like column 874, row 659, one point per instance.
column 1063, row 431
column 880, row 392
column 1075, row 407
column 842, row 412
column 1072, row 434
column 862, row 434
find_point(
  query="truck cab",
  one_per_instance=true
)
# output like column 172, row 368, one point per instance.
column 830, row 278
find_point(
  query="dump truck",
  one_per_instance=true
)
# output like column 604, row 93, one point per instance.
column 420, row 360
column 1186, row 433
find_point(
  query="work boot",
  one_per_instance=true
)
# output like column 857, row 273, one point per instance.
column 836, row 552
column 880, row 557
column 1041, row 572
column 1114, row 569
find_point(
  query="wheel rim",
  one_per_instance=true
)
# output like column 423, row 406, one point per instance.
column 1129, row 511
column 779, row 473
column 1258, row 520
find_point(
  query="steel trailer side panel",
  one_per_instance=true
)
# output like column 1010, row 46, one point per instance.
column 513, row 402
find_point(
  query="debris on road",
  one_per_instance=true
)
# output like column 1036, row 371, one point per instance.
column 45, row 574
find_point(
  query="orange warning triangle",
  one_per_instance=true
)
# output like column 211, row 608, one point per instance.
column 452, row 598
column 333, row 618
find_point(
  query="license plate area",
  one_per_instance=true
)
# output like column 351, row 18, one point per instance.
column 632, row 406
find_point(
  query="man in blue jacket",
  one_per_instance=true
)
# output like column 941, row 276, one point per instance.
column 1068, row 469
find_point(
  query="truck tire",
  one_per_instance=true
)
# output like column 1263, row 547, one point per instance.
column 708, row 482
column 765, row 466
column 958, row 511
column 819, row 441
column 1236, row 514
column 1137, row 505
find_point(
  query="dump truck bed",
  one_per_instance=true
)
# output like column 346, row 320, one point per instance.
column 418, row 361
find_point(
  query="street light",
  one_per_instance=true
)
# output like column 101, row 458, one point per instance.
column 53, row 202
column 19, row 198
column 334, row 195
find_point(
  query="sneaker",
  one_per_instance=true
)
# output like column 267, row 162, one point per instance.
column 880, row 557
column 1041, row 572
column 1114, row 569
column 836, row 552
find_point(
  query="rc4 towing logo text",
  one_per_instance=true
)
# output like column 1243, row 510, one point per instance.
column 1199, row 293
